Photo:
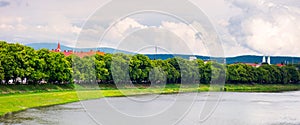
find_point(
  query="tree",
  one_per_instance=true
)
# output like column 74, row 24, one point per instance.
column 218, row 73
column 160, row 71
column 1, row 73
column 120, row 69
column 139, row 68
column 58, row 69
column 292, row 73
column 107, row 58
column 43, row 65
column 273, row 76
column 188, row 70
column 175, row 70
column 240, row 73
column 262, row 75
column 285, row 76
column 167, row 71
column 32, row 65
column 101, row 71
column 12, row 61
column 207, row 73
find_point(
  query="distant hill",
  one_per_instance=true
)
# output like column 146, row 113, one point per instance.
column 51, row 46
column 232, row 60
column 229, row 60
column 258, row 59
column 167, row 56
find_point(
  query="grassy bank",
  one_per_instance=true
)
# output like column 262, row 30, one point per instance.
column 261, row 88
column 16, row 89
column 19, row 98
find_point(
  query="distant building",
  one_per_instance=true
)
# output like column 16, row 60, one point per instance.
column 280, row 65
column 79, row 54
column 253, row 64
column 58, row 49
column 206, row 61
column 191, row 58
column 266, row 60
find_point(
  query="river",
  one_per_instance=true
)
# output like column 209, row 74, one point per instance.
column 232, row 109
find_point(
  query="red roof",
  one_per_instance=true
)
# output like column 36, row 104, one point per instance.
column 83, row 54
column 58, row 46
column 280, row 65
column 80, row 54
column 253, row 64
column 68, row 53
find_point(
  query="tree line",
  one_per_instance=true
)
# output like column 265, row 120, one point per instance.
column 21, row 64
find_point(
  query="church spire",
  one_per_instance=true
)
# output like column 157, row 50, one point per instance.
column 264, row 59
column 58, row 47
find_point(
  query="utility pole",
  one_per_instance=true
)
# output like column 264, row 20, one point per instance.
column 155, row 52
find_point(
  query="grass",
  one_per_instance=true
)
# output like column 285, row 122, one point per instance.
column 261, row 88
column 15, row 89
column 20, row 97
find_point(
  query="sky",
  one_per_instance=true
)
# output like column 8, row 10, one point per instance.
column 244, row 27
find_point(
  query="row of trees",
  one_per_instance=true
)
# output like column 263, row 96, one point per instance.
column 266, row 74
column 24, row 65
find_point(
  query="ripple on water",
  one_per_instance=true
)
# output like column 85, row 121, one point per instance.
column 234, row 109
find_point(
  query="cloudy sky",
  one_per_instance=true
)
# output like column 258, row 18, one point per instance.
column 255, row 27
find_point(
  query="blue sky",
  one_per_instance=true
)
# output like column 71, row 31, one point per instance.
column 260, row 27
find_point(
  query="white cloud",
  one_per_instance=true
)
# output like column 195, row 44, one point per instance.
column 40, row 21
column 267, row 27
column 131, row 35
column 118, row 31
column 245, row 26
column 193, row 40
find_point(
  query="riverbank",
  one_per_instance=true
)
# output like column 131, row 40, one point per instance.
column 19, row 89
column 261, row 88
column 19, row 100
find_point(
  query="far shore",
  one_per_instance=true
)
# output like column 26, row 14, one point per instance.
column 16, row 98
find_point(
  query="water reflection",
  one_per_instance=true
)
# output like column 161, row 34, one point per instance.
column 234, row 109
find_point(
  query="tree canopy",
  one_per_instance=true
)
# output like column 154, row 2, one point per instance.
column 20, row 64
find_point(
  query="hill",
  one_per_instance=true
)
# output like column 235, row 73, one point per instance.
column 232, row 60
column 229, row 60
column 51, row 46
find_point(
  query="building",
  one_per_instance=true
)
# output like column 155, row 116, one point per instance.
column 253, row 64
column 78, row 53
column 280, row 65
column 266, row 60
column 191, row 58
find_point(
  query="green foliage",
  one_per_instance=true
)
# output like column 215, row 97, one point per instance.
column 164, row 72
column 24, row 65
column 240, row 73
column 293, row 75
column 1, row 73
column 139, row 68
column 188, row 70
column 119, row 68
column 265, row 74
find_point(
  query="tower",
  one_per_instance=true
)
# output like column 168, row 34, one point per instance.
column 269, row 60
column 155, row 52
column 264, row 60
column 58, row 48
